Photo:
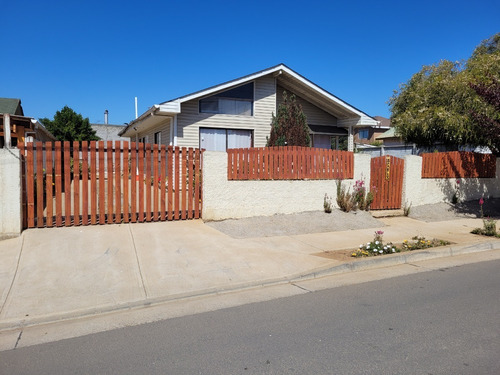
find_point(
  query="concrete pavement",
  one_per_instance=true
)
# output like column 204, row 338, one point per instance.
column 51, row 274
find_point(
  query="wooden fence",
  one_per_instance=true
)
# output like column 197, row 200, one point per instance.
column 102, row 183
column 289, row 163
column 458, row 164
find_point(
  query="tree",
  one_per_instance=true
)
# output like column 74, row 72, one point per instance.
column 440, row 104
column 289, row 126
column 67, row 125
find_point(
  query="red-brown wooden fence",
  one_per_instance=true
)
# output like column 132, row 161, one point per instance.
column 96, row 183
column 458, row 164
column 289, row 163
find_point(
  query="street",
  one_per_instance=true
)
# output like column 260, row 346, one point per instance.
column 437, row 322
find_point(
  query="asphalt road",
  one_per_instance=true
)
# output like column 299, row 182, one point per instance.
column 439, row 322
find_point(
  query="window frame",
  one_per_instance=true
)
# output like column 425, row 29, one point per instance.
column 214, row 96
column 252, row 131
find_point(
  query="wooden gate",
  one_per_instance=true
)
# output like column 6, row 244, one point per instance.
column 66, row 184
column 386, row 181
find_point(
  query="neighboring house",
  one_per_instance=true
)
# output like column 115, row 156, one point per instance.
column 368, row 135
column 109, row 132
column 22, row 128
column 238, row 113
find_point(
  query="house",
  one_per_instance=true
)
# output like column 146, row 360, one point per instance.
column 238, row 113
column 108, row 132
column 21, row 128
column 370, row 134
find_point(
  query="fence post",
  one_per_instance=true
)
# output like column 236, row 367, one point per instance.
column 10, row 193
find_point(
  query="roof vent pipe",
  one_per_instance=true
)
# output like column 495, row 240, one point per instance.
column 106, row 117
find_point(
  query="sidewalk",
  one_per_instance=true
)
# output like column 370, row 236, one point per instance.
column 52, row 274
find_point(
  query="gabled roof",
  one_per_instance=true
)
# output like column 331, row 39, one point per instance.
column 278, row 70
column 11, row 106
column 347, row 114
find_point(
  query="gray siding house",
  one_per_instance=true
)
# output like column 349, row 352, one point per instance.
column 238, row 113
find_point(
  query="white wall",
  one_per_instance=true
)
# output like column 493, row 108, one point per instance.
column 419, row 191
column 224, row 199
column 10, row 193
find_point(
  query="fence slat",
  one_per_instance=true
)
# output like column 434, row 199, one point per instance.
column 49, row 184
column 31, row 185
column 163, row 182
column 177, row 168
column 190, row 183
column 118, row 191
column 102, row 184
column 183, row 182
column 93, row 182
column 67, row 184
column 156, row 183
column 140, row 182
column 85, row 183
column 39, row 184
column 170, row 176
column 133, row 182
column 76, row 183
column 109, row 176
column 125, row 179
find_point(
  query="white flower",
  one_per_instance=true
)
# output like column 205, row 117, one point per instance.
column 368, row 246
column 376, row 242
column 360, row 246
column 385, row 247
column 374, row 250
column 368, row 243
column 393, row 250
column 380, row 251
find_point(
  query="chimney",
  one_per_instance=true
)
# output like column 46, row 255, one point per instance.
column 106, row 117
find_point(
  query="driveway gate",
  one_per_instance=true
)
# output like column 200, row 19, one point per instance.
column 386, row 181
column 86, row 183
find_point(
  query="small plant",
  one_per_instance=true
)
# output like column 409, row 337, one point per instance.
column 454, row 199
column 375, row 247
column 362, row 198
column 481, row 202
column 489, row 228
column 406, row 209
column 345, row 199
column 327, row 204
column 418, row 243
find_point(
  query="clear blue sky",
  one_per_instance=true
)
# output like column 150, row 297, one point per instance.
column 97, row 55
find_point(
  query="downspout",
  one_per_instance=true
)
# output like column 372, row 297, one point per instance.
column 175, row 130
column 171, row 138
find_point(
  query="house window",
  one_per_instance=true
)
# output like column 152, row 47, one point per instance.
column 237, row 101
column 363, row 134
column 143, row 140
column 158, row 138
column 221, row 139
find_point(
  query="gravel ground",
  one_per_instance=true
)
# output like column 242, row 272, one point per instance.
column 448, row 211
column 300, row 223
column 318, row 221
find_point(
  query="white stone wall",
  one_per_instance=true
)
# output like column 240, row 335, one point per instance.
column 10, row 193
column 418, row 191
column 224, row 199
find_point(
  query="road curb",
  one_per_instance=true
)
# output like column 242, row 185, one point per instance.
column 328, row 270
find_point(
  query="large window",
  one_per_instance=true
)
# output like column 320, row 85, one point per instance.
column 237, row 101
column 221, row 139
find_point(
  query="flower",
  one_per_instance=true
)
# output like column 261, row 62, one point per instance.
column 393, row 250
column 481, row 201
column 374, row 250
column 376, row 242
column 368, row 246
column 380, row 251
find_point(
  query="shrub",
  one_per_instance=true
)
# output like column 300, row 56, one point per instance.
column 375, row 247
column 345, row 200
column 489, row 228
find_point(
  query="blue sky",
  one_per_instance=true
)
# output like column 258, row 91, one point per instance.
column 97, row 55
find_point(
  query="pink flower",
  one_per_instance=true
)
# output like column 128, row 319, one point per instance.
column 481, row 201
column 458, row 182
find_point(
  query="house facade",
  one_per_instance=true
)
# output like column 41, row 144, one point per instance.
column 16, row 128
column 238, row 113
